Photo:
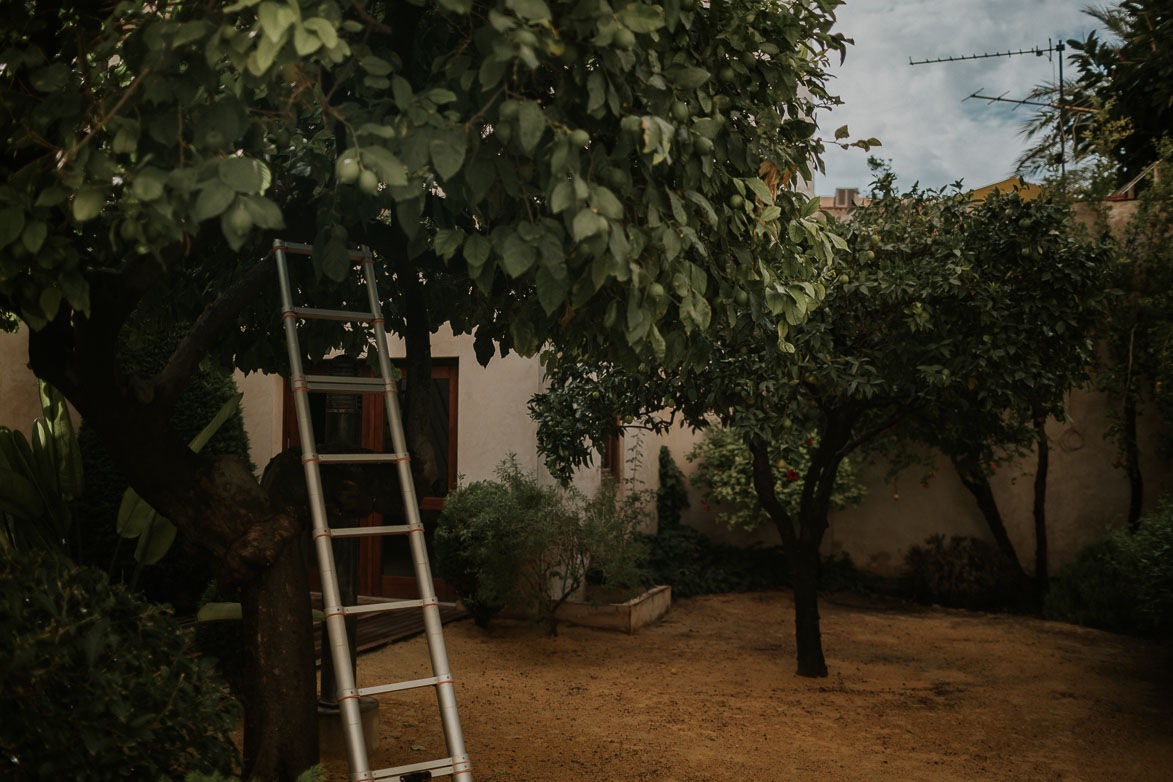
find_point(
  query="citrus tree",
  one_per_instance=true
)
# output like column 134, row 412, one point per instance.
column 849, row 372
column 942, row 324
column 598, row 176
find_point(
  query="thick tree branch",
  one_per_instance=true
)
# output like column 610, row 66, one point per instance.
column 212, row 321
column 763, row 481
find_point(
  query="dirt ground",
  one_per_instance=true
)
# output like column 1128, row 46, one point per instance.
column 710, row 694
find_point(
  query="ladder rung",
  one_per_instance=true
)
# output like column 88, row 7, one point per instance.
column 391, row 605
column 298, row 248
column 356, row 458
column 414, row 684
column 360, row 385
column 382, row 605
column 438, row 768
column 359, row 532
column 346, row 315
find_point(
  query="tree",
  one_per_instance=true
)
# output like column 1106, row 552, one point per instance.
column 1138, row 328
column 903, row 335
column 848, row 371
column 593, row 176
column 1036, row 301
column 1120, row 103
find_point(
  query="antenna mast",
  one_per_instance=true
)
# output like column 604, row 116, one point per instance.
column 1051, row 48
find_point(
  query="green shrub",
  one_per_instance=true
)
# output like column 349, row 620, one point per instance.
column 511, row 542
column 963, row 572
column 1122, row 582
column 725, row 470
column 694, row 564
column 96, row 684
column 672, row 495
column 178, row 578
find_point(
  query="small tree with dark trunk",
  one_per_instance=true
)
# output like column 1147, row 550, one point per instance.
column 529, row 171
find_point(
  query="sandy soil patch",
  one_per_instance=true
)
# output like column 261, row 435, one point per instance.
column 710, row 694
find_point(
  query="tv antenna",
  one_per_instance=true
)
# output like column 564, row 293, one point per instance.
column 1051, row 49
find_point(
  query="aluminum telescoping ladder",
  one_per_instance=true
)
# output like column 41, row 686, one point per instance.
column 456, row 764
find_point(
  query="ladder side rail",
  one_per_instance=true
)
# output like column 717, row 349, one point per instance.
column 335, row 619
column 445, row 691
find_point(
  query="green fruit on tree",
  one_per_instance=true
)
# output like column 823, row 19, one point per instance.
column 346, row 169
column 580, row 138
column 680, row 111
column 368, row 182
column 616, row 178
column 726, row 74
column 704, row 144
column 740, row 298
column 624, row 39
column 656, row 291
column 736, row 201
column 508, row 111
column 128, row 230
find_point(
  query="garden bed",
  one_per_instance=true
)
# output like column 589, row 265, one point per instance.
column 611, row 612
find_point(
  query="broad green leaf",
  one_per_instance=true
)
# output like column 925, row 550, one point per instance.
column 265, row 214
column 586, row 224
column 323, row 29
column 134, row 515
column 87, row 203
column 19, row 495
column 759, row 189
column 155, row 542
column 447, row 241
column 447, row 154
column 605, row 202
column 640, row 18
column 305, row 42
column 563, row 197
column 376, row 66
column 226, row 411
column 534, row 10
column 387, row 167
column 213, row 199
column 842, row 132
column 34, row 236
column 531, row 124
column 219, row 612
column 11, row 225
column 687, row 77
column 242, row 174
column 476, row 252
column 551, row 290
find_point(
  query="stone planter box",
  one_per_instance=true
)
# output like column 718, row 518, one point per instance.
column 627, row 616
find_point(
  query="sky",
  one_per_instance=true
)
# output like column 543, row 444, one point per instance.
column 928, row 131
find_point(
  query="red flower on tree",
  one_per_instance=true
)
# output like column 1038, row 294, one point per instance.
column 792, row 475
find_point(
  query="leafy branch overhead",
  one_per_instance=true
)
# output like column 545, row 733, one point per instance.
column 611, row 175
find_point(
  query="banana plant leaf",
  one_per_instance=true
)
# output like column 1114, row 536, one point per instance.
column 137, row 519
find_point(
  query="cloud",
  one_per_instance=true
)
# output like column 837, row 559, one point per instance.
column 928, row 131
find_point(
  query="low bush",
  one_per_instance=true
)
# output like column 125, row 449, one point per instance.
column 1122, row 582
column 511, row 542
column 97, row 684
column 694, row 564
column 962, row 572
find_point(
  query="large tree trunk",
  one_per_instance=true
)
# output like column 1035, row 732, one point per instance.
column 978, row 484
column 279, row 679
column 1042, row 578
column 802, row 556
column 1132, row 461
column 803, row 560
column 216, row 502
